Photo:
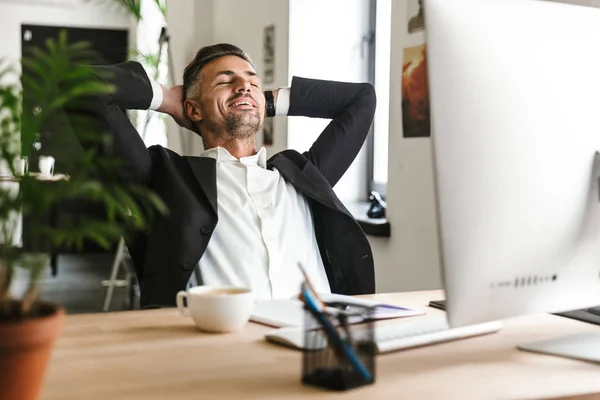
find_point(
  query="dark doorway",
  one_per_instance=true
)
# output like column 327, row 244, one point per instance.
column 111, row 47
column 110, row 44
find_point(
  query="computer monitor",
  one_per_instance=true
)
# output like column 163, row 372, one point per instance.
column 514, row 91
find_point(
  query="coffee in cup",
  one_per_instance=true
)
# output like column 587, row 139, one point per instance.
column 217, row 309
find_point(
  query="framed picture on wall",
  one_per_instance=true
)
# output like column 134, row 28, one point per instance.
column 269, row 54
column 415, row 93
column 416, row 20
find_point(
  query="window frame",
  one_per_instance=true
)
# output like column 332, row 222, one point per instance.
column 369, row 41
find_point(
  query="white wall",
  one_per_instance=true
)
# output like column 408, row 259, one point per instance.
column 190, row 25
column 589, row 3
column 409, row 259
column 242, row 23
column 72, row 13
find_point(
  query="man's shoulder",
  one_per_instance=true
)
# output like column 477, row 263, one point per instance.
column 160, row 153
column 160, row 149
column 289, row 155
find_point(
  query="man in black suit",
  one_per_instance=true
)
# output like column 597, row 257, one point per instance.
column 236, row 218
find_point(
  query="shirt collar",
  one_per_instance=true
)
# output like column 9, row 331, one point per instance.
column 221, row 155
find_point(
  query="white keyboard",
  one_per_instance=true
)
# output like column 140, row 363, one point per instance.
column 394, row 337
column 430, row 331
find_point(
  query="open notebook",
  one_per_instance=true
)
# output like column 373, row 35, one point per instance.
column 281, row 313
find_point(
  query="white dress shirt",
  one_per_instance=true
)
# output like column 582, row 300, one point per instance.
column 265, row 226
column 265, row 230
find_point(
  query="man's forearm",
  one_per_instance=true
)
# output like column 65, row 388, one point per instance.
column 317, row 98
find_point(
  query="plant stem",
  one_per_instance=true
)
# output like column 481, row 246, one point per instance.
column 29, row 299
column 35, row 264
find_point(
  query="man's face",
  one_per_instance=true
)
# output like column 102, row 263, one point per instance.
column 231, row 101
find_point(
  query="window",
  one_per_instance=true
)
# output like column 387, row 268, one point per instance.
column 378, row 42
column 381, row 72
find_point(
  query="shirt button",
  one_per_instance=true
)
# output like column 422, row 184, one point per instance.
column 188, row 267
column 206, row 231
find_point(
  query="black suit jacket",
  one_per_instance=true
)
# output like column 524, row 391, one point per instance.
column 166, row 258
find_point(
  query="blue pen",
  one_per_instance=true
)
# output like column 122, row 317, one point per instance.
column 332, row 334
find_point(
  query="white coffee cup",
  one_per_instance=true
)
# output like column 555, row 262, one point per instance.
column 217, row 309
column 46, row 165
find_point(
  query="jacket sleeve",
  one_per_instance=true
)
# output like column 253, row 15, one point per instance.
column 350, row 106
column 132, row 89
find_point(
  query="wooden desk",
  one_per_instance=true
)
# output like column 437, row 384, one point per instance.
column 156, row 354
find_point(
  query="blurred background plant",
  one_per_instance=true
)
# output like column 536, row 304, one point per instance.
column 148, row 58
column 57, row 94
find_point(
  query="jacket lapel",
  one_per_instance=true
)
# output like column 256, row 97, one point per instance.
column 205, row 172
column 302, row 182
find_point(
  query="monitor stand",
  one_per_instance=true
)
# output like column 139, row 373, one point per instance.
column 583, row 346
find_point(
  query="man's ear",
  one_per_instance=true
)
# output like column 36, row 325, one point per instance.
column 192, row 110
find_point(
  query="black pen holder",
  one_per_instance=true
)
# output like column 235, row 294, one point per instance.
column 341, row 363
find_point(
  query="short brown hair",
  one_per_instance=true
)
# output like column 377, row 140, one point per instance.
column 191, row 73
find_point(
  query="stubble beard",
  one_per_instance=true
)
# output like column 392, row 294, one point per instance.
column 242, row 125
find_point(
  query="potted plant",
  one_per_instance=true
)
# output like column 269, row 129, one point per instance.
column 57, row 84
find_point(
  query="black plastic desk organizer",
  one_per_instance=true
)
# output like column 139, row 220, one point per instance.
column 327, row 366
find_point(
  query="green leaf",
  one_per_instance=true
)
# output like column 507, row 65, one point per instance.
column 162, row 7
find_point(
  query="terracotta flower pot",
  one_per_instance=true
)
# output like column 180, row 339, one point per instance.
column 25, row 348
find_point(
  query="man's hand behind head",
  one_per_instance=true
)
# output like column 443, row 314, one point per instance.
column 173, row 105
